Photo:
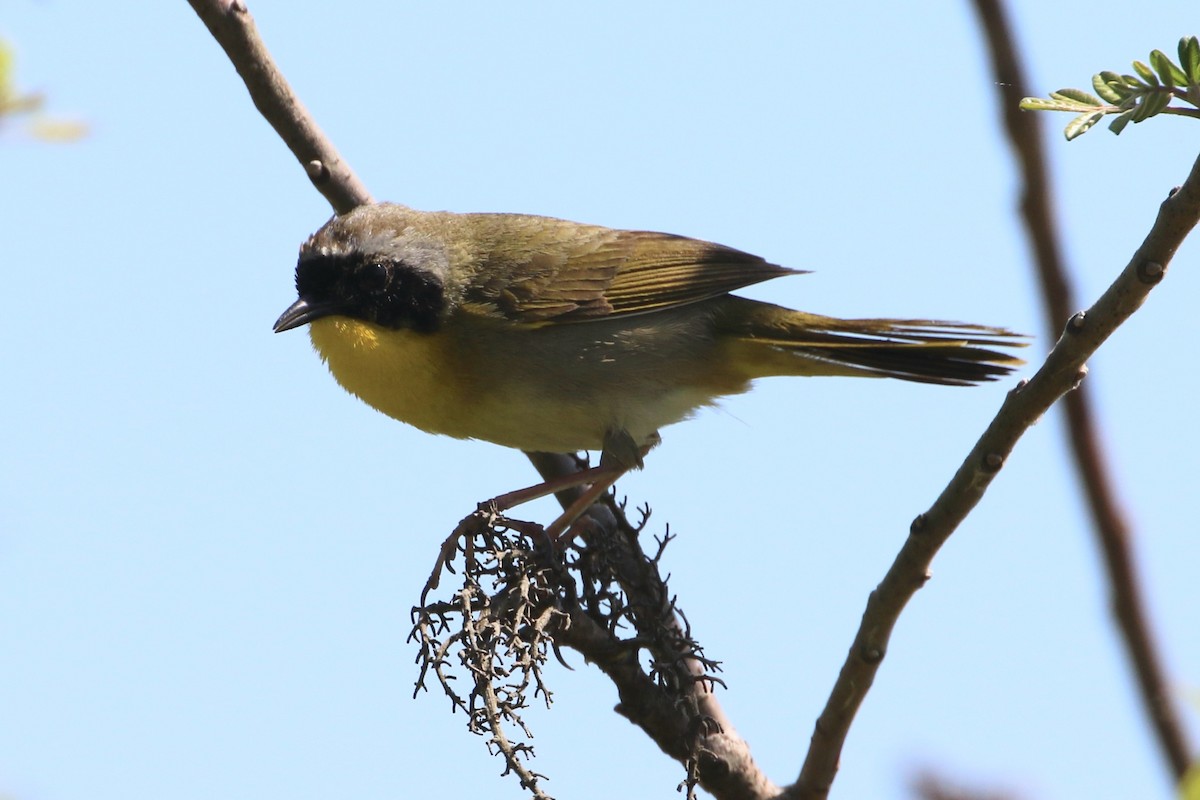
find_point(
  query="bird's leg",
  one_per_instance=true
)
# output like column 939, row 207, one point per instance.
column 504, row 502
column 582, row 503
column 621, row 454
column 598, row 480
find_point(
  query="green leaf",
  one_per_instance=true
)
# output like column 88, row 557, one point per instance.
column 1116, row 83
column 1054, row 104
column 1042, row 104
column 1156, row 102
column 1080, row 125
column 1105, row 90
column 1148, row 107
column 1036, row 104
column 1139, row 112
column 1077, row 96
column 1070, row 100
column 1171, row 75
column 1189, row 57
column 1118, row 124
column 1147, row 74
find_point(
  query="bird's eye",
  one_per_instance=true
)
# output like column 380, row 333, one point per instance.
column 374, row 276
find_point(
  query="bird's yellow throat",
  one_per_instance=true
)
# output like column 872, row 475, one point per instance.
column 394, row 371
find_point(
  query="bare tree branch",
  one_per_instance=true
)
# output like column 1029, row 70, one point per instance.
column 1113, row 531
column 1063, row 369
column 232, row 26
column 698, row 732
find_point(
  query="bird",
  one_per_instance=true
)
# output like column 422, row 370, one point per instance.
column 548, row 335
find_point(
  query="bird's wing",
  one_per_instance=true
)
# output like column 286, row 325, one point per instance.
column 577, row 273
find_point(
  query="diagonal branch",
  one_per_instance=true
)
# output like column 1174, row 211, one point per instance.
column 725, row 767
column 1112, row 529
column 1063, row 369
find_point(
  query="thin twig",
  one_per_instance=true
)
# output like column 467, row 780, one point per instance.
column 1113, row 531
column 1063, row 369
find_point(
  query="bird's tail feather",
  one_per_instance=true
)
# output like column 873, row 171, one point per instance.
column 921, row 350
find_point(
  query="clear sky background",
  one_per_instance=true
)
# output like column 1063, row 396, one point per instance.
column 208, row 551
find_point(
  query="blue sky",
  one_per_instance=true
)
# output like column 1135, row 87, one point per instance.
column 208, row 552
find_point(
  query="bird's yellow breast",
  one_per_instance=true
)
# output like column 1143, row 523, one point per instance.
column 398, row 372
column 558, row 388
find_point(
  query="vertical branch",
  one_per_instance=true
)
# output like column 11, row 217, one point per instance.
column 1112, row 529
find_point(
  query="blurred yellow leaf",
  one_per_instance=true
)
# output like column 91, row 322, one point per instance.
column 58, row 130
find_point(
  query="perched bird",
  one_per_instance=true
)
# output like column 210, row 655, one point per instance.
column 549, row 335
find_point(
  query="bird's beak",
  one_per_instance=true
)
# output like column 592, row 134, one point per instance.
column 302, row 312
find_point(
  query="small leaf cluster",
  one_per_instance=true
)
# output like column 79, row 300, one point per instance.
column 1133, row 98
